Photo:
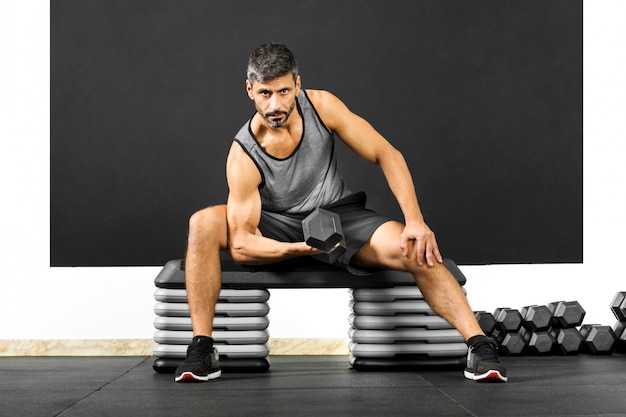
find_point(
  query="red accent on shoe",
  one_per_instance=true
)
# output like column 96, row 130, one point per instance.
column 492, row 376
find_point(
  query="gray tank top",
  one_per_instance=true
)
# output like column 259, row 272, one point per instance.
column 306, row 179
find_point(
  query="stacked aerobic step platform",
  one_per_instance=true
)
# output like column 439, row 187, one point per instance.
column 239, row 329
column 395, row 328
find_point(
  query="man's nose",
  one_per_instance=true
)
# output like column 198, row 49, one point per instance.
column 274, row 103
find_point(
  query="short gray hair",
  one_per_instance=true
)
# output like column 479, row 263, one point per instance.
column 270, row 61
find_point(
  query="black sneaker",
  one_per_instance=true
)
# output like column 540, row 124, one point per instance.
column 483, row 363
column 201, row 364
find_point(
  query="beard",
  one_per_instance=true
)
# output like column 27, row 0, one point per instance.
column 278, row 118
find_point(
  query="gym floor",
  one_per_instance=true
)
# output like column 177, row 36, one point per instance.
column 581, row 385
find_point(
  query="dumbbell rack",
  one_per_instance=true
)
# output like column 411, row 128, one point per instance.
column 555, row 328
column 240, row 329
column 395, row 328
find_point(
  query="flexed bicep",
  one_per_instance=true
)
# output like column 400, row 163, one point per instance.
column 243, row 211
column 243, row 208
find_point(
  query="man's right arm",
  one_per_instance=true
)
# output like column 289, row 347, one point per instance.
column 245, row 242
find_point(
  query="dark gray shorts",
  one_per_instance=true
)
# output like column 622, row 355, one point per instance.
column 358, row 224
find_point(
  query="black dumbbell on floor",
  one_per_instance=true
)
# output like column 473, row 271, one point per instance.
column 322, row 230
column 535, row 329
column 508, row 320
column 619, row 328
column 568, row 341
column 486, row 321
column 566, row 314
column 618, row 306
column 539, row 342
column 506, row 332
column 536, row 318
column 510, row 344
column 598, row 339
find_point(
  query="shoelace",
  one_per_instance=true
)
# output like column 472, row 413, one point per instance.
column 486, row 352
column 197, row 353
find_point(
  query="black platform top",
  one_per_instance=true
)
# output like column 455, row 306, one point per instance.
column 302, row 274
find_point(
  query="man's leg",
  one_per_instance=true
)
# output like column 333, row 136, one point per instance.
column 438, row 286
column 203, row 281
column 203, row 275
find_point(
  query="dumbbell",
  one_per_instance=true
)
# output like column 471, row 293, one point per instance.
column 322, row 230
column 508, row 320
column 486, row 321
column 619, row 328
column 536, row 318
column 598, row 339
column 538, row 342
column 510, row 344
column 618, row 306
column 566, row 314
column 568, row 341
column 506, row 332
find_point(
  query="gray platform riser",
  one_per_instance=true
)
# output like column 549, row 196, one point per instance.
column 434, row 350
column 230, row 351
column 388, row 294
column 368, row 308
column 219, row 323
column 405, row 362
column 226, row 295
column 412, row 321
column 253, row 337
column 221, row 309
column 405, row 336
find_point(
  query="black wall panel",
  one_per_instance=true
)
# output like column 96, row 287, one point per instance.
column 483, row 97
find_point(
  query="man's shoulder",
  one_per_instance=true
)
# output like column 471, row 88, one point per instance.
column 316, row 95
column 323, row 100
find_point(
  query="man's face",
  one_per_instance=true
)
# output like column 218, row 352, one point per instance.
column 274, row 100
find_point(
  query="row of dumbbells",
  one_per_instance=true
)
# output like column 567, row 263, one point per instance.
column 555, row 328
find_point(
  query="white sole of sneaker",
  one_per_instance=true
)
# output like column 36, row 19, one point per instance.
column 491, row 376
column 191, row 377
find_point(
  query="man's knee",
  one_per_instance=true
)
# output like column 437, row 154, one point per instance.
column 208, row 224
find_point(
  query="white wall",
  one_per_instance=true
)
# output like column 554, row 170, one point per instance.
column 39, row 302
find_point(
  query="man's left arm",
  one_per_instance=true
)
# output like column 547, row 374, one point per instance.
column 363, row 139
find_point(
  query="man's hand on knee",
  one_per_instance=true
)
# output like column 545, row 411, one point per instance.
column 419, row 241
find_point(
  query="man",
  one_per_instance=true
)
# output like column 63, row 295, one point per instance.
column 280, row 167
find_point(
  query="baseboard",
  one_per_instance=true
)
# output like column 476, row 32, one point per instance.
column 309, row 346
column 77, row 347
column 143, row 347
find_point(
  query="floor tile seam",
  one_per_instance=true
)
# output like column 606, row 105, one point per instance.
column 454, row 400
column 69, row 407
column 458, row 403
column 92, row 392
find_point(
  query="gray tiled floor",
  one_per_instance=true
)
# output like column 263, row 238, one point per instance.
column 582, row 385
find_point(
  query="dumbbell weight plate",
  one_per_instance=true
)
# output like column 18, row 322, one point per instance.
column 322, row 230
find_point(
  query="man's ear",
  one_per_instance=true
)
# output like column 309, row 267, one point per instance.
column 298, row 85
column 249, row 89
